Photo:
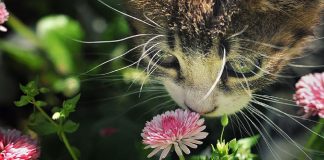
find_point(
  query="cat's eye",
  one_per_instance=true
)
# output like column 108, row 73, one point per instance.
column 165, row 60
column 242, row 67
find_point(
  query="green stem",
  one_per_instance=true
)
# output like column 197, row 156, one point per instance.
column 318, row 129
column 46, row 116
column 68, row 146
column 182, row 158
column 221, row 138
column 61, row 133
column 22, row 29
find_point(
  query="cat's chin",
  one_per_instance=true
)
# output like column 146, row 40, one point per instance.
column 217, row 104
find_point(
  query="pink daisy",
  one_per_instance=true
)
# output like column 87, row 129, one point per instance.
column 15, row 146
column 310, row 94
column 4, row 15
column 179, row 128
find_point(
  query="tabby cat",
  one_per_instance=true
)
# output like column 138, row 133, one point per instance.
column 212, row 55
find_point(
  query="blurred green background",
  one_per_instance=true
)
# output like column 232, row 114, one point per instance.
column 41, row 45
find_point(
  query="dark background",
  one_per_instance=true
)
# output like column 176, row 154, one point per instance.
column 111, row 113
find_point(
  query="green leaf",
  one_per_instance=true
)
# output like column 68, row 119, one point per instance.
column 44, row 90
column 69, row 105
column 57, row 34
column 31, row 89
column 40, row 104
column 70, row 126
column 233, row 145
column 39, row 124
column 24, row 100
column 247, row 143
column 23, row 30
column 224, row 120
column 27, row 57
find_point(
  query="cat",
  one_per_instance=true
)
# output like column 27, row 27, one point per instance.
column 213, row 55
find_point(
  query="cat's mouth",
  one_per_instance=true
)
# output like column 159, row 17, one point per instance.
column 201, row 113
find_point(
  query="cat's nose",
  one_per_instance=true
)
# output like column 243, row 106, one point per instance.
column 190, row 109
column 201, row 112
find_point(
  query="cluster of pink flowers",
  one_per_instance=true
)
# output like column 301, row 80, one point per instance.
column 179, row 128
column 310, row 94
column 4, row 15
column 15, row 146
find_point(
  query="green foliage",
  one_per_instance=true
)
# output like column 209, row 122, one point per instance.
column 40, row 121
column 31, row 89
column 24, row 100
column 28, row 57
column 69, row 106
column 70, row 126
column 51, row 47
column 56, row 34
column 232, row 150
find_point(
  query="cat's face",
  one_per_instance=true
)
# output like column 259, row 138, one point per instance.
column 211, row 55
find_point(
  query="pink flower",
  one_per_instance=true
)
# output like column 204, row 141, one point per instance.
column 310, row 94
column 4, row 15
column 15, row 146
column 179, row 128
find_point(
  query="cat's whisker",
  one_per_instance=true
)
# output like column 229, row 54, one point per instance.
column 288, row 115
column 317, row 39
column 151, row 60
column 262, row 135
column 158, row 107
column 110, row 77
column 158, row 92
column 300, row 147
column 273, row 97
column 108, row 74
column 138, row 105
column 270, row 57
column 260, row 43
column 125, row 14
column 293, row 116
column 276, row 101
column 238, row 33
column 137, row 62
column 156, row 24
column 265, row 71
column 238, row 125
column 218, row 76
column 117, row 57
column 247, row 84
column 114, row 41
column 254, row 110
column 249, row 133
column 146, row 44
column 305, row 66
column 148, row 75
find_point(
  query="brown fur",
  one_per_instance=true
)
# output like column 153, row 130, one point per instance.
column 286, row 23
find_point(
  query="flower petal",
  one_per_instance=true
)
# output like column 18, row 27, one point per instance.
column 184, row 148
column 154, row 152
column 177, row 149
column 165, row 152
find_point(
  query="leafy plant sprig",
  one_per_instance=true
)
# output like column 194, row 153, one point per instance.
column 232, row 150
column 42, row 123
